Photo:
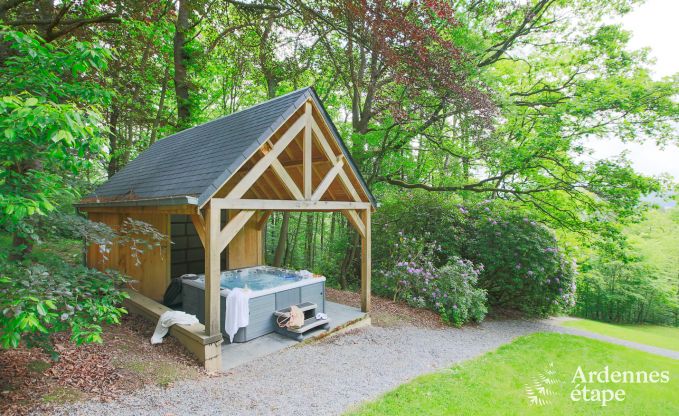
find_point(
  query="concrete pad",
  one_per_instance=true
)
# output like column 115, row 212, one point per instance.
column 237, row 354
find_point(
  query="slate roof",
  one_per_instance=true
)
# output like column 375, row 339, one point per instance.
column 195, row 162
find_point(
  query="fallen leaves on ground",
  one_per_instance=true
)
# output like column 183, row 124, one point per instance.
column 31, row 381
column 386, row 312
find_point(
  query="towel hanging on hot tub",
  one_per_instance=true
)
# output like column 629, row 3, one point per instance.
column 237, row 311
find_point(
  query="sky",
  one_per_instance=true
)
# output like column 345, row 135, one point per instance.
column 653, row 24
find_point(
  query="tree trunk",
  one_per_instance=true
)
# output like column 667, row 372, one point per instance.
column 181, row 58
column 19, row 240
column 282, row 240
column 161, row 105
column 309, row 240
column 348, row 260
column 113, row 163
column 290, row 254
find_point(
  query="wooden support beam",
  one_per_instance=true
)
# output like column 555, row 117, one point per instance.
column 212, row 271
column 366, row 262
column 327, row 149
column 199, row 224
column 232, row 228
column 284, row 176
column 280, row 205
column 355, row 221
column 308, row 118
column 263, row 219
column 329, row 177
column 297, row 162
column 263, row 163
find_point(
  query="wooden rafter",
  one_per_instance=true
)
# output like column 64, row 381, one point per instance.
column 327, row 180
column 263, row 219
column 284, row 176
column 355, row 220
column 263, row 163
column 232, row 228
column 282, row 205
column 325, row 146
column 199, row 225
column 308, row 118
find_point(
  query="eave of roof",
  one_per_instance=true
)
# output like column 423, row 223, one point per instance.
column 148, row 202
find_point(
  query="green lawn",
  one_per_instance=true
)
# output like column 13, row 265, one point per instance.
column 657, row 336
column 495, row 383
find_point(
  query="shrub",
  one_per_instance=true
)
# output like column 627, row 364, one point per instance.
column 39, row 299
column 464, row 301
column 45, row 293
column 449, row 290
column 524, row 267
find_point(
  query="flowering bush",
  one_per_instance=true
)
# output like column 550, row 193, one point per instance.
column 524, row 267
column 449, row 290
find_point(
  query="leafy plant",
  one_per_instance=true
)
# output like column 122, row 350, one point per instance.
column 49, row 126
column 40, row 299
column 449, row 290
column 524, row 267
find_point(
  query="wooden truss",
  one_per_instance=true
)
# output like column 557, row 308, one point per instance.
column 215, row 238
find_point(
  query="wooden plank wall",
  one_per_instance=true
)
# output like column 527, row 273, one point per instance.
column 153, row 269
column 246, row 248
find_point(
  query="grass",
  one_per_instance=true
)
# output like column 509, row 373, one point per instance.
column 63, row 395
column 654, row 335
column 495, row 383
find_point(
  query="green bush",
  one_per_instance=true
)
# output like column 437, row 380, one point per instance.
column 449, row 290
column 49, row 291
column 524, row 269
column 37, row 300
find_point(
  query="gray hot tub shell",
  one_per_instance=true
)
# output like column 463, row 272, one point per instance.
column 262, row 304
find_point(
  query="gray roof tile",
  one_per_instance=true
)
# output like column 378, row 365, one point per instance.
column 197, row 161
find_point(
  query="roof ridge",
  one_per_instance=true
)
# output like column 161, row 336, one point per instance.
column 269, row 101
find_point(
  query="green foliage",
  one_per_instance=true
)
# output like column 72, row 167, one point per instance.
column 50, row 291
column 523, row 267
column 49, row 124
column 40, row 299
column 634, row 280
column 616, row 291
column 451, row 290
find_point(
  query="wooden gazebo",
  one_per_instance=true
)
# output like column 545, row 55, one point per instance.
column 220, row 182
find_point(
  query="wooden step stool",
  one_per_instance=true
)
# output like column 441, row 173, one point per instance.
column 310, row 321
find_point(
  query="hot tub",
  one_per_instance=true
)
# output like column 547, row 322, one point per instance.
column 272, row 289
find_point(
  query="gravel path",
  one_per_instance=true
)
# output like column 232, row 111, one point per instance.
column 322, row 378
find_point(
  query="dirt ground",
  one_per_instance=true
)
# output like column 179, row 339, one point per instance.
column 385, row 312
column 31, row 381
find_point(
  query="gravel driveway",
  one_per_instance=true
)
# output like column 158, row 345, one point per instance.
column 322, row 378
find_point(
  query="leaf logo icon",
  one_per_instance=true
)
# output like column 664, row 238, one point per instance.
column 538, row 392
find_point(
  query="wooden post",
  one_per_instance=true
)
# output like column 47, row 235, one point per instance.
column 307, row 163
column 366, row 262
column 212, row 272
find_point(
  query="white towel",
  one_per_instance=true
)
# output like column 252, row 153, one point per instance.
column 237, row 313
column 169, row 318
